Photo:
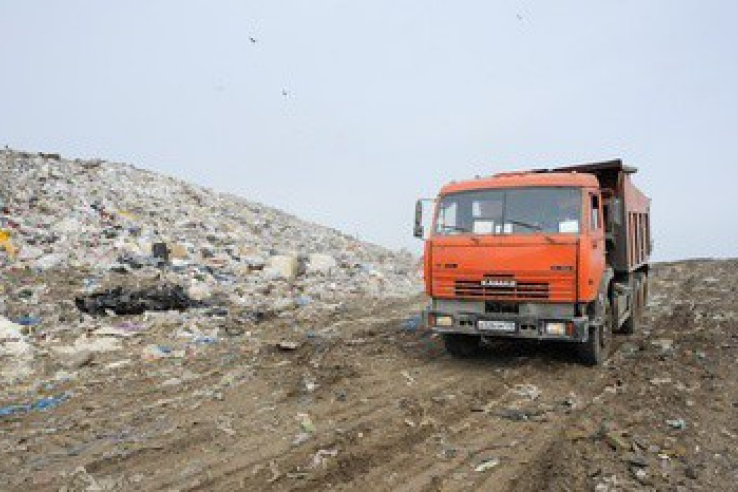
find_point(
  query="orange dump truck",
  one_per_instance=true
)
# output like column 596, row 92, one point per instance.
column 550, row 254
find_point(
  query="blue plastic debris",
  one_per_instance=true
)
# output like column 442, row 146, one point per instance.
column 412, row 324
column 43, row 404
column 303, row 301
column 28, row 320
column 205, row 339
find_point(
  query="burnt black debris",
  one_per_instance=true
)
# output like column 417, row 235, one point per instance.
column 123, row 301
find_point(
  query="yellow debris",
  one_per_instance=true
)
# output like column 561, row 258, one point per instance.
column 6, row 243
column 127, row 215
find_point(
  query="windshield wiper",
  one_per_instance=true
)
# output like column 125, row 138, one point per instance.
column 535, row 227
column 454, row 228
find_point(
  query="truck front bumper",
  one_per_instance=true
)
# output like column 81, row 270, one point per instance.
column 536, row 325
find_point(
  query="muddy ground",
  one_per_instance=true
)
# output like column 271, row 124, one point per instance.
column 366, row 401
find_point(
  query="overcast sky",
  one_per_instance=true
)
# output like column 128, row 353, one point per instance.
column 343, row 112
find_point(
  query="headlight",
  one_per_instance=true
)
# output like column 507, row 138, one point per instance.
column 444, row 321
column 557, row 328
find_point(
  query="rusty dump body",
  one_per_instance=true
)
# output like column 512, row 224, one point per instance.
column 539, row 254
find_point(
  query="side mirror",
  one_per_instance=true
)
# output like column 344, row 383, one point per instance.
column 418, row 230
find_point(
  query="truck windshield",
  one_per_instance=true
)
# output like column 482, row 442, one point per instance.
column 510, row 211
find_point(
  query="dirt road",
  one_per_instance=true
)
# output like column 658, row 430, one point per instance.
column 376, row 404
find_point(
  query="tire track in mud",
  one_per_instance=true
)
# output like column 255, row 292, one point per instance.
column 366, row 465
column 428, row 471
column 353, row 419
column 182, row 445
column 398, row 413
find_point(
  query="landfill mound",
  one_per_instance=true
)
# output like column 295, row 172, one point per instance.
column 93, row 253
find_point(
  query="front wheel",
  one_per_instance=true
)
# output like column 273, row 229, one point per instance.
column 596, row 349
column 462, row 346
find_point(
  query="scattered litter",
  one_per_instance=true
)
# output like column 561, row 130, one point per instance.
column 28, row 320
column 156, row 352
column 520, row 415
column 79, row 359
column 617, row 441
column 410, row 379
column 320, row 459
column 287, row 345
column 303, row 301
column 572, row 401
column 226, row 426
column 529, row 391
column 43, row 404
column 306, row 423
column 678, row 424
column 487, row 465
column 12, row 340
column 90, row 344
column 80, row 479
column 301, row 438
column 637, row 461
column 6, row 243
column 195, row 335
column 641, row 475
column 629, row 349
column 118, row 364
column 276, row 475
column 665, row 345
column 114, row 331
column 412, row 324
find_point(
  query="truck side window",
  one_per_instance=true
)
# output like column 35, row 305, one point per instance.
column 595, row 222
column 447, row 220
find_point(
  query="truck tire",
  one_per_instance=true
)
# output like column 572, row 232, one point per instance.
column 633, row 322
column 462, row 346
column 596, row 349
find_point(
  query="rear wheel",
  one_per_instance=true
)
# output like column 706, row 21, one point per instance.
column 462, row 346
column 596, row 349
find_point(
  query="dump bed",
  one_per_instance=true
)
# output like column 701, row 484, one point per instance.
column 627, row 214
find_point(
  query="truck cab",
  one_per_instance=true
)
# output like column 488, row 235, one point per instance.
column 536, row 255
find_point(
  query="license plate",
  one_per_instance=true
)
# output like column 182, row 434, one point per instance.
column 487, row 325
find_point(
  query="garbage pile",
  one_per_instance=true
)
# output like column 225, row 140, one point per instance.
column 83, row 242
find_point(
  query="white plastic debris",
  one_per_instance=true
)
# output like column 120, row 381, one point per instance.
column 16, row 353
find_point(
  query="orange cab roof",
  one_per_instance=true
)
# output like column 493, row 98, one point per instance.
column 524, row 179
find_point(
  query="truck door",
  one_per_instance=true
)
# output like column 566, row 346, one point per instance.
column 595, row 245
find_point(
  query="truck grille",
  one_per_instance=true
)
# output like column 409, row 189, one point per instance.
column 520, row 290
column 529, row 286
